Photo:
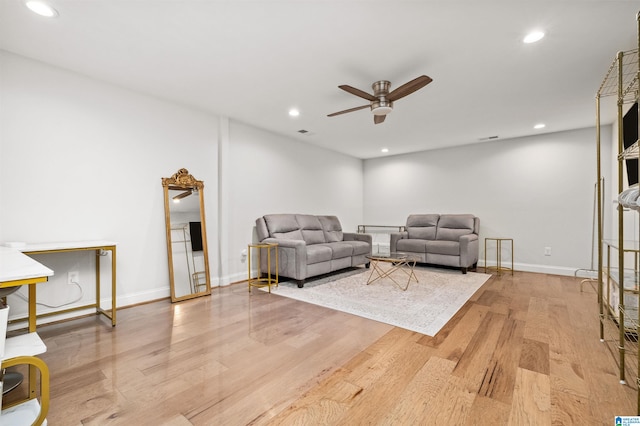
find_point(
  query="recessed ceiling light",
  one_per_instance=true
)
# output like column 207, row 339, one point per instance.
column 540, row 126
column 294, row 112
column 533, row 36
column 384, row 150
column 41, row 8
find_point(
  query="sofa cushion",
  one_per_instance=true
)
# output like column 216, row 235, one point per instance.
column 281, row 223
column 450, row 248
column 452, row 226
column 317, row 253
column 332, row 228
column 415, row 245
column 359, row 247
column 340, row 249
column 311, row 228
column 422, row 226
column 283, row 226
column 292, row 235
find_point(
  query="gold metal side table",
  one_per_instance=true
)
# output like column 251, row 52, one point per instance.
column 270, row 279
column 498, row 268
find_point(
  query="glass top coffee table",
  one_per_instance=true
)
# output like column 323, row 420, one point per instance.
column 397, row 262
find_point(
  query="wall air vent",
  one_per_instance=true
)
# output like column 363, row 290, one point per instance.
column 488, row 138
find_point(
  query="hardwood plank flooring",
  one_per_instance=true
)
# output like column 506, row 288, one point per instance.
column 523, row 350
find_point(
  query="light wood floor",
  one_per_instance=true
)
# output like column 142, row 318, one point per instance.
column 523, row 350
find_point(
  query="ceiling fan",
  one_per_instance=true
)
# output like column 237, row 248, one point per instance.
column 381, row 102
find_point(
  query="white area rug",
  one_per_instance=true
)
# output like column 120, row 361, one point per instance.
column 425, row 307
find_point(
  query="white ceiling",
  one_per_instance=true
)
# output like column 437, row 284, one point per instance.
column 253, row 60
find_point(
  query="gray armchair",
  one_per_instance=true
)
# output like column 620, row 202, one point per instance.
column 448, row 239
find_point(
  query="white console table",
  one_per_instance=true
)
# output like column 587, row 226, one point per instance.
column 16, row 269
column 75, row 246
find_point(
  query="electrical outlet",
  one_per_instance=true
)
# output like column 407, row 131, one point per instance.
column 547, row 251
column 73, row 277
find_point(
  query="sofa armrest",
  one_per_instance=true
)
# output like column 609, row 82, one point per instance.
column 292, row 257
column 352, row 236
column 467, row 238
column 394, row 238
column 469, row 250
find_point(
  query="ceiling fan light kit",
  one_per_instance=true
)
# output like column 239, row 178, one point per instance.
column 381, row 102
column 381, row 107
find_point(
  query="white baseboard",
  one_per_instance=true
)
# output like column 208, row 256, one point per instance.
column 140, row 297
column 122, row 301
column 544, row 269
column 233, row 278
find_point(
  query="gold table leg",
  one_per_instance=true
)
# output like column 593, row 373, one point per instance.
column 259, row 281
column 498, row 268
column 32, row 329
column 395, row 265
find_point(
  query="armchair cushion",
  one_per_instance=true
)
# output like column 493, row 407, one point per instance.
column 412, row 245
column 452, row 226
column 450, row 248
column 422, row 226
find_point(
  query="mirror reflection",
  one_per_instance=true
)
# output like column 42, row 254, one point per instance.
column 186, row 236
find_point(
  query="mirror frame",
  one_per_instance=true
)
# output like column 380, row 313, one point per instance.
column 183, row 181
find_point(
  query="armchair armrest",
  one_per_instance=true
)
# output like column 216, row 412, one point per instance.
column 395, row 237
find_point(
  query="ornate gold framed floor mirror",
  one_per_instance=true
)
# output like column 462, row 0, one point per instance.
column 186, row 236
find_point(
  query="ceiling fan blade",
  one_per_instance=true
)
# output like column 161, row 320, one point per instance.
column 377, row 119
column 409, row 88
column 358, row 92
column 349, row 110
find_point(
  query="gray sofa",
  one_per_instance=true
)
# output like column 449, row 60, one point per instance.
column 311, row 245
column 448, row 239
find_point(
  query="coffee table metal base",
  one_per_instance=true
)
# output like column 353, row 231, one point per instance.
column 398, row 263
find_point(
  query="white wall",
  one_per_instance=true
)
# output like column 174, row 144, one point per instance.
column 83, row 160
column 536, row 190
